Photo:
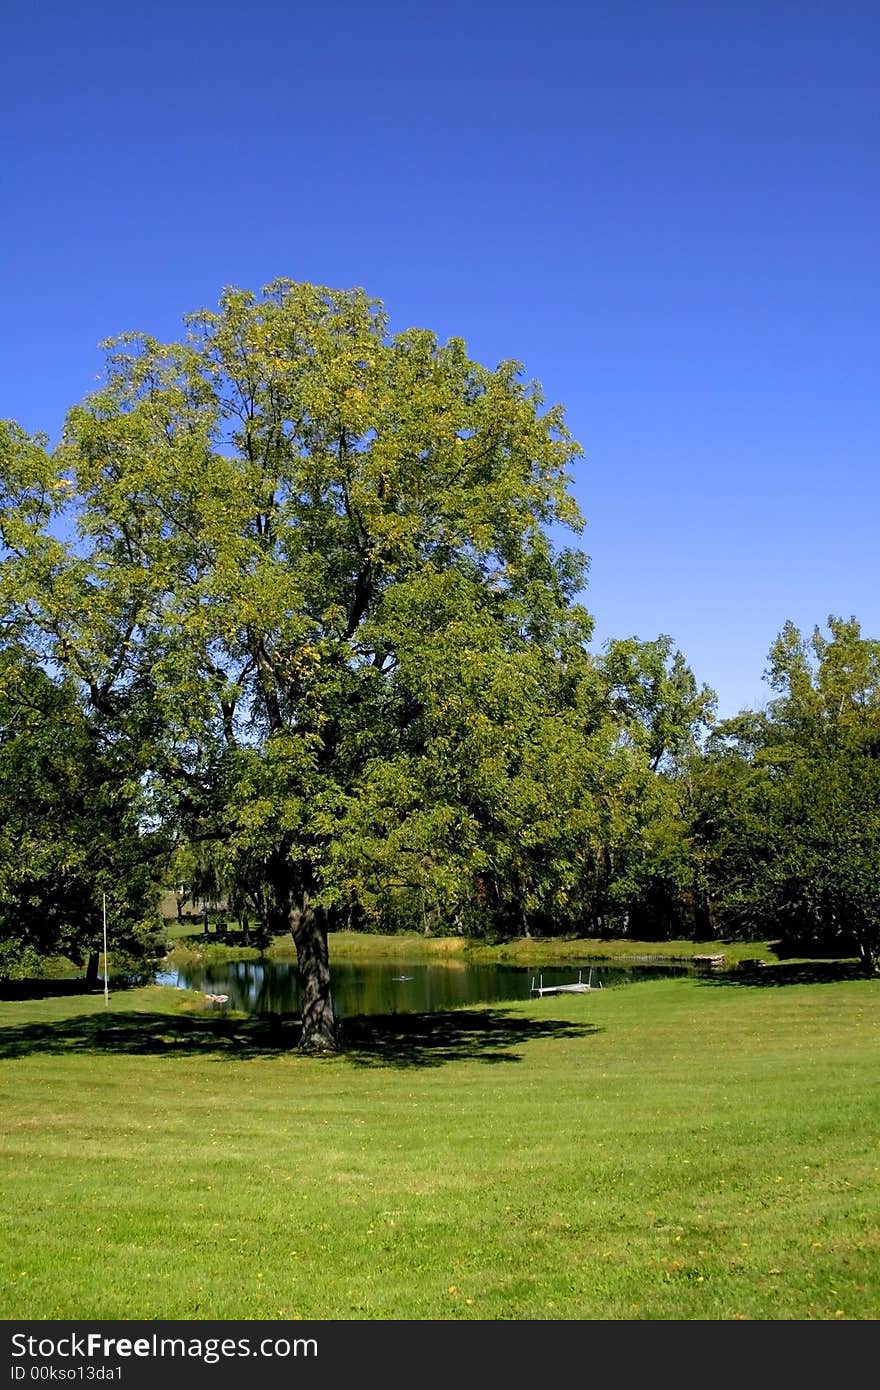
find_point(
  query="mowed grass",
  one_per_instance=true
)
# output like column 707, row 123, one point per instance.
column 672, row 1149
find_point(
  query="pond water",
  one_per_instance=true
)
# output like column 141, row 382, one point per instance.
column 394, row 986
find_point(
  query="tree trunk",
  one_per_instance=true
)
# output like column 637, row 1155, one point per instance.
column 524, row 921
column 866, row 955
column 703, row 929
column 92, row 970
column 320, row 1032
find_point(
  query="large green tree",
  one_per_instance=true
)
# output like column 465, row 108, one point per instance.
column 300, row 568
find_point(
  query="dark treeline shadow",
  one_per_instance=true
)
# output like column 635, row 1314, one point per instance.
column 386, row 1040
column 814, row 972
column 51, row 989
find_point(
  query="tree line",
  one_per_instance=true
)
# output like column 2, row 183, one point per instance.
column 283, row 607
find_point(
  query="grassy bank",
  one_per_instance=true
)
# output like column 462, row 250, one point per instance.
column 353, row 946
column 538, row 950
column 674, row 1149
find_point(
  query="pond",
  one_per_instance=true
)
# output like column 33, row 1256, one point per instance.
column 392, row 986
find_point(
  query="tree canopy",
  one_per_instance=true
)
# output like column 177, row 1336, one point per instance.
column 308, row 585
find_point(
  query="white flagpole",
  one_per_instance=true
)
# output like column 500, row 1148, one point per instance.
column 106, row 990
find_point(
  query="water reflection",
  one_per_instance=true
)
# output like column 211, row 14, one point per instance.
column 393, row 987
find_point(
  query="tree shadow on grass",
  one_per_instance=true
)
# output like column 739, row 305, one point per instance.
column 454, row 1035
column 813, row 972
column 402, row 1040
column 155, row 1034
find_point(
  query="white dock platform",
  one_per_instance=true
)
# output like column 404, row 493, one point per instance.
column 580, row 987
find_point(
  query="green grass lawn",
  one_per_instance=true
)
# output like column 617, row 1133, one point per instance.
column 672, row 1149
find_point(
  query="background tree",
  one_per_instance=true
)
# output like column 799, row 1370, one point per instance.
column 648, row 882
column 69, row 834
column 788, row 814
column 656, row 700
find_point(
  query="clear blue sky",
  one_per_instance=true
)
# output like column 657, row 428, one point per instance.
column 667, row 211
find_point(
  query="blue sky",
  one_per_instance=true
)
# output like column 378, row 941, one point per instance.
column 668, row 212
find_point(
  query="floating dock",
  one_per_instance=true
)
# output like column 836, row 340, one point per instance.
column 580, row 987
